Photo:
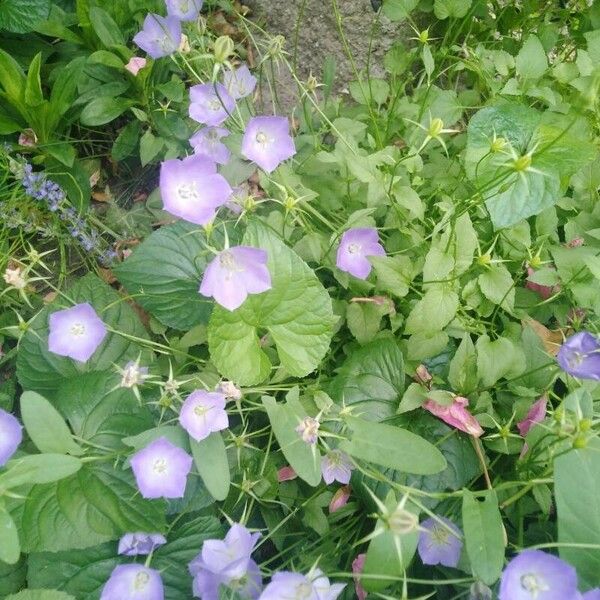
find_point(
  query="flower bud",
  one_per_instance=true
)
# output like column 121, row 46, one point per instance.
column 340, row 499
column 402, row 521
column 435, row 127
column 424, row 36
column 497, row 145
column 223, row 48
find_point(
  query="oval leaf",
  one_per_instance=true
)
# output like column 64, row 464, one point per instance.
column 210, row 458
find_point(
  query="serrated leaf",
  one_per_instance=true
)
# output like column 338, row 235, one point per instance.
column 484, row 535
column 163, row 274
column 40, row 370
column 83, row 573
column 433, row 311
column 364, row 319
column 304, row 458
column 46, row 427
column 296, row 312
column 371, row 380
column 531, row 61
column 21, row 16
column 497, row 359
column 455, row 9
column 497, row 285
column 97, row 504
column 398, row 10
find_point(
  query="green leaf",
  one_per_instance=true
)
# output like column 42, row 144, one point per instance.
column 101, row 412
column 456, row 9
column 164, row 272
column 364, row 320
column 462, row 374
column 12, row 78
column 210, row 458
column 127, row 142
column 83, row 573
column 39, row 468
column 398, row 10
column 433, row 311
column 370, row 91
column 105, row 28
column 43, row 371
column 388, row 555
column 296, row 312
column 576, row 481
column 97, row 504
column 8, row 125
column 497, row 285
column 531, row 61
column 10, row 548
column 12, row 577
column 394, row 273
column 484, row 534
column 33, row 88
column 46, row 427
column 64, row 90
column 150, row 146
column 371, row 380
column 21, row 16
column 498, row 359
column 104, row 110
column 392, row 447
column 304, row 458
column 40, row 595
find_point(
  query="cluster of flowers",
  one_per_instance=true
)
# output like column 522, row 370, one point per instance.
column 37, row 186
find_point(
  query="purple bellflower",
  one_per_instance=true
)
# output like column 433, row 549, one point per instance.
column 202, row 413
column 355, row 246
column 591, row 594
column 132, row 544
column 210, row 104
column 160, row 36
column 133, row 582
column 239, row 82
column 192, row 189
column 161, row 469
column 227, row 562
column 536, row 575
column 439, row 544
column 336, row 466
column 234, row 273
column 207, row 142
column 184, row 10
column 580, row 356
column 267, row 142
column 308, row 430
column 11, row 435
column 75, row 332
column 286, row 585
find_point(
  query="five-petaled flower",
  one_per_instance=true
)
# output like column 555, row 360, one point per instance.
column 210, row 103
column 207, row 142
column 192, row 189
column 439, row 542
column 234, row 273
column 203, row 413
column 355, row 247
column 76, row 332
column 135, row 582
column 580, row 356
column 160, row 36
column 308, row 430
column 161, row 469
column 336, row 466
column 239, row 82
column 295, row 585
column 267, row 142
column 184, row 10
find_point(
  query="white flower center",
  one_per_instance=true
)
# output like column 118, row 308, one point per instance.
column 188, row 191
column 440, row 535
column 533, row 584
column 227, row 261
column 141, row 581
column 165, row 43
column 215, row 104
column 354, row 248
column 304, row 590
column 160, row 466
column 261, row 138
column 77, row 329
column 200, row 410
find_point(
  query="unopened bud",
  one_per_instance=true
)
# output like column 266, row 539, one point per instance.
column 402, row 521
column 223, row 48
column 435, row 127
column 424, row 36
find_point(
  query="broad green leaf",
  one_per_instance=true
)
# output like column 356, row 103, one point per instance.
column 40, row 370
column 12, row 577
column 97, row 504
column 364, row 319
column 104, row 110
column 371, row 380
column 398, row 10
column 388, row 555
column 83, row 573
column 462, row 375
column 105, row 28
column 163, row 274
column 8, row 125
column 433, row 311
column 21, row 16
column 175, row 434
column 536, row 357
column 101, row 412
column 304, row 458
column 531, row 61
column 497, row 359
column 484, row 534
column 150, row 146
column 296, row 312
column 33, row 87
column 12, row 78
column 126, row 143
column 576, row 486
column 455, row 9
column 392, row 447
column 39, row 468
column 46, row 427
column 394, row 273
column 40, row 595
column 10, row 548
column 210, row 458
column 371, row 91
column 497, row 285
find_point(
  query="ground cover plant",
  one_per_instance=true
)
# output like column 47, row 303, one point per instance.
column 347, row 348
